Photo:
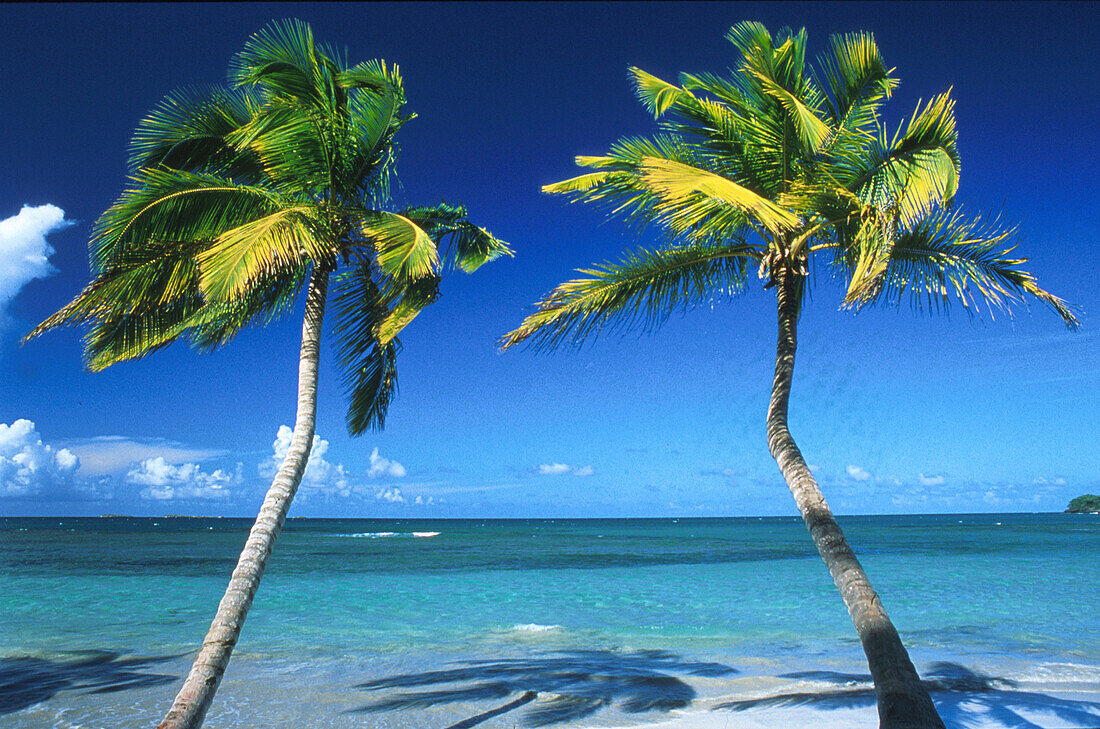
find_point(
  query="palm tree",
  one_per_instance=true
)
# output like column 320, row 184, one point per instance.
column 781, row 169
column 239, row 197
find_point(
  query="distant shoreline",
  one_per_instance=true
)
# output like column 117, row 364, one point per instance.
column 549, row 518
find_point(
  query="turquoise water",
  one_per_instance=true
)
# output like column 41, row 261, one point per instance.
column 355, row 601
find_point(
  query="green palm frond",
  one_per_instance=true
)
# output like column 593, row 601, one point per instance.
column 368, row 365
column 269, row 299
column 949, row 257
column 655, row 94
column 645, row 288
column 116, row 336
column 374, row 75
column 870, row 248
column 812, row 132
column 404, row 250
column 149, row 277
column 915, row 173
column 406, row 304
column 578, row 184
column 283, row 61
column 755, row 43
column 296, row 151
column 126, row 333
column 467, row 246
column 688, row 193
column 856, row 80
column 262, row 249
column 189, row 130
column 165, row 204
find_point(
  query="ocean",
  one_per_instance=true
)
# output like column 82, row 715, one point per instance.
column 452, row 624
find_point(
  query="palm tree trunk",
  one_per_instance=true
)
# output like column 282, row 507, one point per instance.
column 194, row 699
column 903, row 701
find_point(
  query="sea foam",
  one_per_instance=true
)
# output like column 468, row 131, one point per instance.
column 533, row 628
column 382, row 535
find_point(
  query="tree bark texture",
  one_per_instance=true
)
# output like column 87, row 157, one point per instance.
column 194, row 699
column 903, row 701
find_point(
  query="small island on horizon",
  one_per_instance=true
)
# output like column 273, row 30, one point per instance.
column 1086, row 504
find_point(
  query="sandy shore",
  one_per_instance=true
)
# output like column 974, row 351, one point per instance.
column 392, row 693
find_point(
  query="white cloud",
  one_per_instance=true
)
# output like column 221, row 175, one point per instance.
column 557, row 469
column 24, row 252
column 380, row 466
column 320, row 474
column 931, row 480
column 392, row 495
column 164, row 481
column 109, row 454
column 425, row 501
column 553, row 469
column 27, row 465
column 857, row 473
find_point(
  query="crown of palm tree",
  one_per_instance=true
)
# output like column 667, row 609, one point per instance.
column 776, row 166
column 238, row 193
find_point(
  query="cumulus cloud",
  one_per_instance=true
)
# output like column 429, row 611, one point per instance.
column 931, row 480
column 108, row 454
column 320, row 473
column 553, row 469
column 557, row 469
column 393, row 495
column 164, row 481
column 24, row 252
column 27, row 465
column 857, row 473
column 380, row 466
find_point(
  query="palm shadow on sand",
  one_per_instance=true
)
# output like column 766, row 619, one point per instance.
column 27, row 680
column 964, row 698
column 561, row 687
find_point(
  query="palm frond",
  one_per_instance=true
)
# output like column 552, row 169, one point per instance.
column 949, row 257
column 147, row 277
column 467, row 246
column 296, row 151
column 413, row 299
column 368, row 365
column 918, row 171
column 404, row 250
column 655, row 94
column 755, row 43
column 578, row 184
column 118, row 336
column 282, row 60
column 679, row 184
column 812, row 132
column 165, row 204
column 374, row 75
column 259, row 250
column 189, row 130
column 645, row 288
column 856, row 80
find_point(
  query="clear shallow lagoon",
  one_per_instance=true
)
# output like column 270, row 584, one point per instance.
column 384, row 623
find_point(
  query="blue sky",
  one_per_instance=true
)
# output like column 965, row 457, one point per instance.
column 896, row 411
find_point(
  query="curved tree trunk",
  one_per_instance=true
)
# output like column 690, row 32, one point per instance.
column 903, row 701
column 194, row 699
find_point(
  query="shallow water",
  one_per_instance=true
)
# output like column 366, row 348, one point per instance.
column 671, row 613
